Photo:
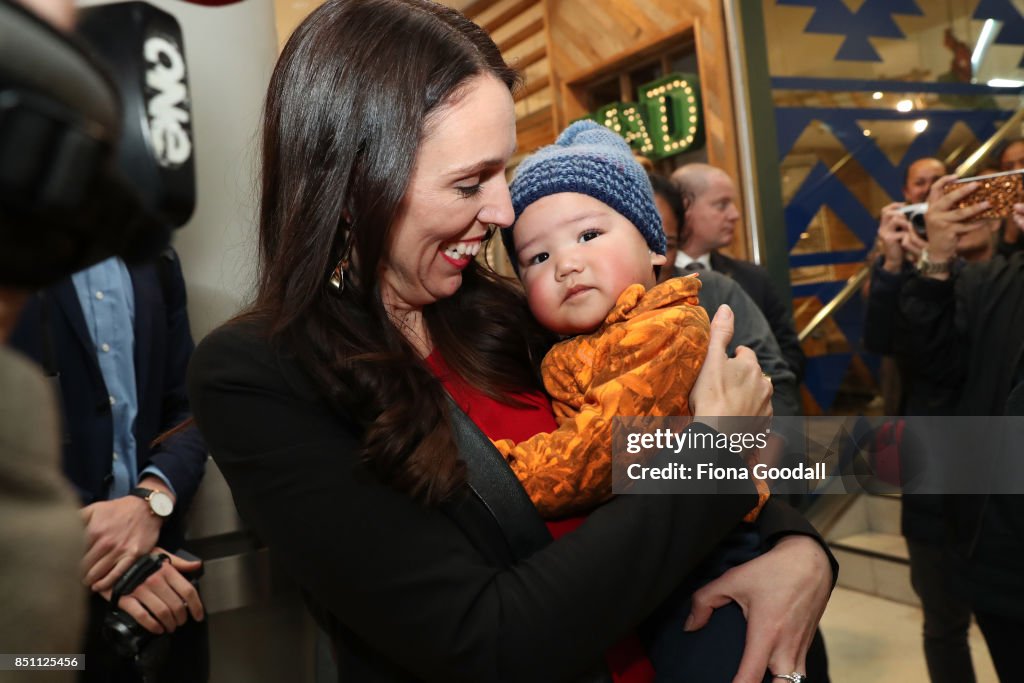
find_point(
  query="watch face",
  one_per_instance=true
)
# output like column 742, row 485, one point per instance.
column 161, row 503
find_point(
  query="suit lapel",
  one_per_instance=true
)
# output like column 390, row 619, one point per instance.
column 141, row 324
column 720, row 264
column 67, row 300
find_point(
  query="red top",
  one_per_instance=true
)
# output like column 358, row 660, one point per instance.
column 626, row 659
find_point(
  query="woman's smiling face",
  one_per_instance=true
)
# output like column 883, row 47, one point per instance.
column 456, row 190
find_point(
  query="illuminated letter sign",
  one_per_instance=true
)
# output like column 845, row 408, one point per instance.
column 625, row 119
column 670, row 107
column 666, row 120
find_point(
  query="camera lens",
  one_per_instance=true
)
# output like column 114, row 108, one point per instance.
column 124, row 633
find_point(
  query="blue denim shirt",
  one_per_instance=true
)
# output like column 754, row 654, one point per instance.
column 108, row 304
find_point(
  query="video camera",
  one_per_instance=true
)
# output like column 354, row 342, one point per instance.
column 127, row 636
column 72, row 129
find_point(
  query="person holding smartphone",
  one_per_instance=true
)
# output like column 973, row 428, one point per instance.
column 962, row 329
column 946, row 615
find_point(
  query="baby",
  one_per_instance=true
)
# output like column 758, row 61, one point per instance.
column 586, row 244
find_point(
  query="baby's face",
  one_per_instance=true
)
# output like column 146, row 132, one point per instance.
column 576, row 255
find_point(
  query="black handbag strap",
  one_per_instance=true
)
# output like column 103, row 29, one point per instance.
column 493, row 483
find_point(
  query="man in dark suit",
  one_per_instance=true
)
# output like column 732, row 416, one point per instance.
column 712, row 214
column 116, row 339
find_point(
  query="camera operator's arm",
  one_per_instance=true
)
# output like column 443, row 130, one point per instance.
column 900, row 247
column 928, row 336
column 162, row 602
column 118, row 532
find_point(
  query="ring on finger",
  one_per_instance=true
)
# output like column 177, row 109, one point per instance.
column 792, row 677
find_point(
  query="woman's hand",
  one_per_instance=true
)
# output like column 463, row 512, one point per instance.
column 945, row 223
column 730, row 387
column 782, row 594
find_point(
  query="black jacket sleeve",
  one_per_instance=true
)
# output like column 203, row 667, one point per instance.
column 182, row 457
column 882, row 308
column 927, row 336
column 405, row 579
column 782, row 325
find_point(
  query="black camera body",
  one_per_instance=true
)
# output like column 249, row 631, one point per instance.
column 128, row 638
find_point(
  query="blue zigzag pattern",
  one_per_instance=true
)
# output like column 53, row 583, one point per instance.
column 820, row 188
column 792, row 121
column 872, row 20
column 1012, row 31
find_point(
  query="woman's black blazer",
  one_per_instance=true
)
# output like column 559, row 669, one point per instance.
column 471, row 591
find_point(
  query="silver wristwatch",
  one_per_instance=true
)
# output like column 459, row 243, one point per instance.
column 928, row 267
column 160, row 504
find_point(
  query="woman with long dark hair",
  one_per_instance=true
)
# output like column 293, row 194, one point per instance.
column 336, row 406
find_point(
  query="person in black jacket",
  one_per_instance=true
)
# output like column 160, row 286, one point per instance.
column 327, row 405
column 751, row 328
column 962, row 330
column 947, row 615
column 712, row 214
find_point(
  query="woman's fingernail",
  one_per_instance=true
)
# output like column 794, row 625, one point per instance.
column 688, row 624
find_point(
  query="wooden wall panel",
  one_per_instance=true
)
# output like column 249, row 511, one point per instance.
column 527, row 51
column 501, row 13
column 588, row 36
column 531, row 105
column 518, row 28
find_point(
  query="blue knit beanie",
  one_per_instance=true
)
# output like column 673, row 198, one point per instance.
column 589, row 159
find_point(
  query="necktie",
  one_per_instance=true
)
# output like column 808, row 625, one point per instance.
column 693, row 267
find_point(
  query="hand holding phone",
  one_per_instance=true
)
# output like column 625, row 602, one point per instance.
column 953, row 210
column 1001, row 190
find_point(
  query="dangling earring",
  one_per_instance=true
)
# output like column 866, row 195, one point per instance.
column 337, row 278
